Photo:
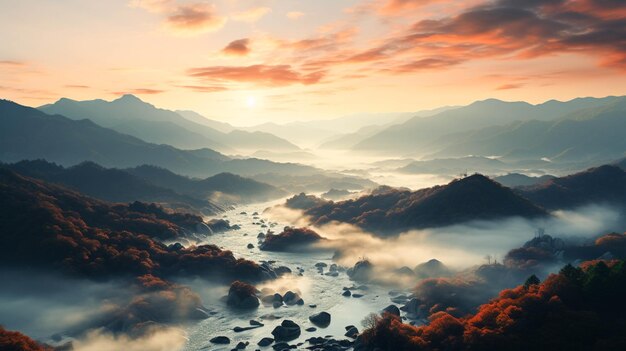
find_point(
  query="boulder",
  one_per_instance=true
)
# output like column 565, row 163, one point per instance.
column 265, row 342
column 361, row 271
column 392, row 309
column 222, row 340
column 242, row 296
column 412, row 307
column 286, row 331
column 291, row 298
column 321, row 319
column 353, row 332
column 347, row 293
column 250, row 246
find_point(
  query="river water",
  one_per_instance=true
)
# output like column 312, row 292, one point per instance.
column 321, row 290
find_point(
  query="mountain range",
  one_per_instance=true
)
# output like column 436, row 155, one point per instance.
column 152, row 184
column 587, row 128
column 27, row 134
column 130, row 115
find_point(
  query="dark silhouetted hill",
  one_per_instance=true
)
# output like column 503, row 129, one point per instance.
column 46, row 226
column 112, row 185
column 472, row 198
column 512, row 180
column 239, row 189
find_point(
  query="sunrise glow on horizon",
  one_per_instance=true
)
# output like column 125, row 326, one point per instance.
column 251, row 62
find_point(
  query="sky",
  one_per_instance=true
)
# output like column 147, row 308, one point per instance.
column 254, row 61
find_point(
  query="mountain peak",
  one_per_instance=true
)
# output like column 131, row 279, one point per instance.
column 129, row 98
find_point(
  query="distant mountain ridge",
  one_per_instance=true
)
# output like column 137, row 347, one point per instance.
column 130, row 115
column 484, row 128
column 28, row 134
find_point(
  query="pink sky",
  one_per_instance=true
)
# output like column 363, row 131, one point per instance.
column 255, row 61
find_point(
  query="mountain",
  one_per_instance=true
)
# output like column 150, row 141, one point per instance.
column 512, row 180
column 112, row 185
column 200, row 119
column 454, row 165
column 316, row 132
column 348, row 140
column 432, row 133
column 234, row 187
column 27, row 133
column 472, row 198
column 601, row 185
column 130, row 115
column 591, row 135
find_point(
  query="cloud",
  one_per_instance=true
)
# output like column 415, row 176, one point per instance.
column 267, row 75
column 294, row 15
column 395, row 7
column 139, row 91
column 251, row 15
column 238, row 47
column 74, row 86
column 195, row 18
column 524, row 30
column 509, row 86
column 188, row 18
column 9, row 63
column 161, row 339
column 203, row 88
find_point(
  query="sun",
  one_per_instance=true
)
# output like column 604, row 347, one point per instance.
column 251, row 102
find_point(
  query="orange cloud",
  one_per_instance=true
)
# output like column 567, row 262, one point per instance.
column 394, row 7
column 238, row 47
column 139, row 91
column 266, row 75
column 195, row 18
column 509, row 86
column 204, row 89
column 184, row 18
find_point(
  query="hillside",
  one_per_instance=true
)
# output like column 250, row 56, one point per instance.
column 238, row 188
column 576, row 309
column 601, row 185
column 512, row 180
column 112, row 185
column 45, row 226
column 473, row 198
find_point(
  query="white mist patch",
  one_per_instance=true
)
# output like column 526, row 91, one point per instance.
column 461, row 246
column 588, row 219
column 166, row 339
column 281, row 213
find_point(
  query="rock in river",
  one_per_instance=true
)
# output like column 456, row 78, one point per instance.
column 321, row 319
column 286, row 331
column 220, row 340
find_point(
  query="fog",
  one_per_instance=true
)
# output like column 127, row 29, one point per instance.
column 458, row 246
column 159, row 339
